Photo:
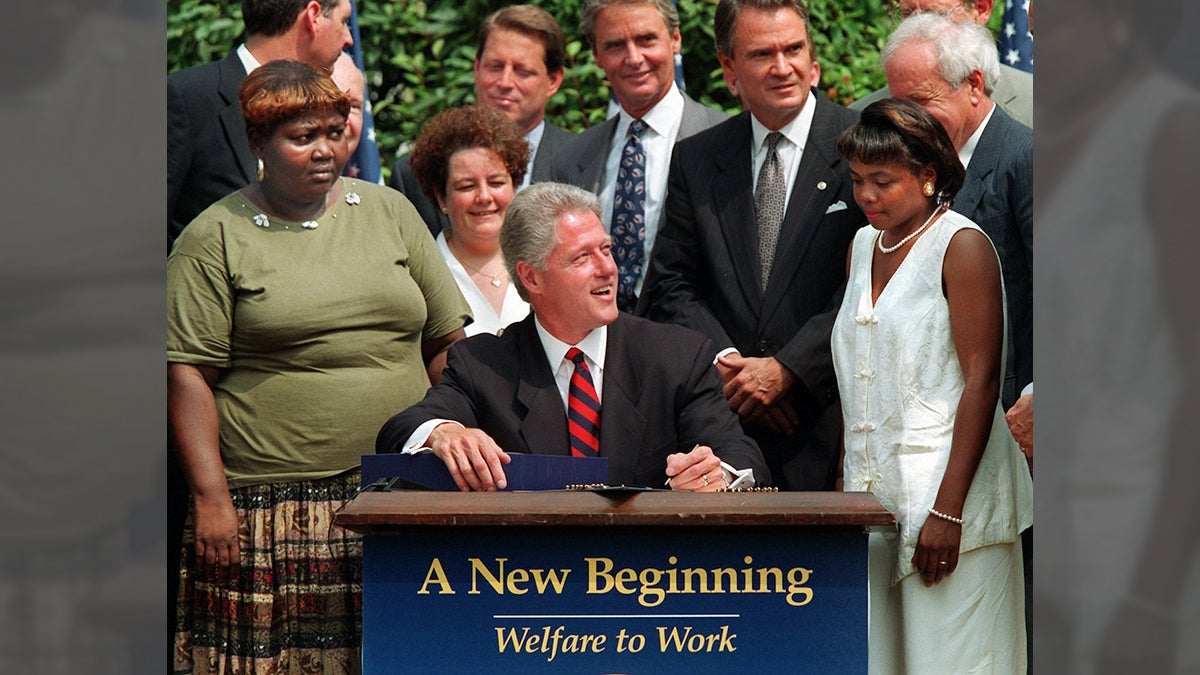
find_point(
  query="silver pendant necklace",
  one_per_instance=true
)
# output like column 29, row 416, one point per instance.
column 494, row 280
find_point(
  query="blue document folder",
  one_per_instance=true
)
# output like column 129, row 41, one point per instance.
column 525, row 472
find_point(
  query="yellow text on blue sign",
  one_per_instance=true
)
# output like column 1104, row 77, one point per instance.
column 650, row 584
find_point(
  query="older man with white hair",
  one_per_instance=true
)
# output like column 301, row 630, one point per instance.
column 1013, row 88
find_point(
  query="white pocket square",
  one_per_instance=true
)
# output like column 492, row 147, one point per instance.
column 839, row 205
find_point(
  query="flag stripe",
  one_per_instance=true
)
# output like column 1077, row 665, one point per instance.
column 364, row 163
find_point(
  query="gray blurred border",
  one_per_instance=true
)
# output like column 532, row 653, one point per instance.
column 82, row 575
column 1116, row 575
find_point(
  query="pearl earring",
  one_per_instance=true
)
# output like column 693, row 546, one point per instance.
column 928, row 188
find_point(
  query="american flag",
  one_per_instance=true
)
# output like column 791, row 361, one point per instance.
column 1016, row 42
column 364, row 163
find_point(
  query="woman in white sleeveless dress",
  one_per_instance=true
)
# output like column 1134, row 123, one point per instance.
column 918, row 351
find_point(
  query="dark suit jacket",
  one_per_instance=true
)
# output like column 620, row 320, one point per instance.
column 704, row 274
column 581, row 160
column 655, row 402
column 403, row 179
column 208, row 155
column 998, row 196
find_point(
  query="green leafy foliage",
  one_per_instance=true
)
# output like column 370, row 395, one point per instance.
column 419, row 53
column 848, row 37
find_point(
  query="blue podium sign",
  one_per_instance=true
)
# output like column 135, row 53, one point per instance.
column 614, row 581
column 618, row 599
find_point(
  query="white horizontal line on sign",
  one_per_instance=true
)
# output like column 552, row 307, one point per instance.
column 616, row 616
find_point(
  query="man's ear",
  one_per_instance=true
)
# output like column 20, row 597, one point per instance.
column 728, row 73
column 975, row 82
column 556, row 79
column 983, row 10
column 530, row 278
column 312, row 13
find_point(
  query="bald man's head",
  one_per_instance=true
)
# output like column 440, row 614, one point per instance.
column 349, row 79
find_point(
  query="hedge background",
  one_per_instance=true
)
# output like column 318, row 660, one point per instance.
column 418, row 56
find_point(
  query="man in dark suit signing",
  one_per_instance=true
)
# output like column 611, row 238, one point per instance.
column 520, row 52
column 540, row 387
column 752, row 252
column 635, row 42
column 208, row 155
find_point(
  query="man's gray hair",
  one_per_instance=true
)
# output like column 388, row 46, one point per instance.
column 531, row 224
column 589, row 10
column 959, row 47
column 728, row 11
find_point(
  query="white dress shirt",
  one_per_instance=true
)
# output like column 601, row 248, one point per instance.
column 594, row 347
column 791, row 148
column 968, row 148
column 248, row 61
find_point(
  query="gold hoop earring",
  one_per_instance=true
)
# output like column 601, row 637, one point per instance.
column 927, row 189
column 260, row 169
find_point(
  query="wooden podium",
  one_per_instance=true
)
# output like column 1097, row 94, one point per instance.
column 614, row 581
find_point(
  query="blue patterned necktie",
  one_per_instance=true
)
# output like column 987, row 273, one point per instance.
column 769, row 197
column 629, row 217
column 583, row 409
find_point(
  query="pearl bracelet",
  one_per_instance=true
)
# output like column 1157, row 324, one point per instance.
column 943, row 516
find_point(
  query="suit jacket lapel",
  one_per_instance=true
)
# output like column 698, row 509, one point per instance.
column 590, row 162
column 230, row 73
column 621, row 425
column 553, row 139
column 693, row 120
column 733, row 194
column 814, row 190
column 983, row 162
column 543, row 423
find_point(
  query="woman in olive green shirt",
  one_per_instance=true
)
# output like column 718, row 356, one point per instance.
column 303, row 310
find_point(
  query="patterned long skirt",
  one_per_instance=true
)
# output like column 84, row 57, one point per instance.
column 295, row 606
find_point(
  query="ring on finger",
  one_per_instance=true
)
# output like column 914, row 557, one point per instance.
column 943, row 562
column 705, row 479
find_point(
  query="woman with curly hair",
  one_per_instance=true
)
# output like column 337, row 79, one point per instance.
column 469, row 161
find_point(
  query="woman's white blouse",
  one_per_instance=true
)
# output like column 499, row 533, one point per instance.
column 486, row 319
column 900, row 383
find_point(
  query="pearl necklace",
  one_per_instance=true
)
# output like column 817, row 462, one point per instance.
column 919, row 230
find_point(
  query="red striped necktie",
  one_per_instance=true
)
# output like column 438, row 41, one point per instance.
column 583, row 409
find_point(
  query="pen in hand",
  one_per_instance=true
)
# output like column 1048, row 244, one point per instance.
column 694, row 448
